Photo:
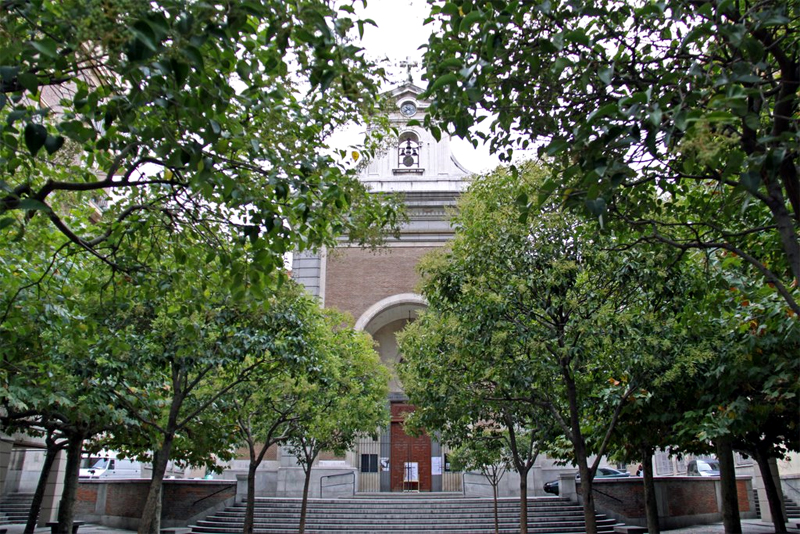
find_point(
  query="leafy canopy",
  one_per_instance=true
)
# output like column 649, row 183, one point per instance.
column 194, row 113
column 678, row 119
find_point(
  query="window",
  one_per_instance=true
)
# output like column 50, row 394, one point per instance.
column 369, row 463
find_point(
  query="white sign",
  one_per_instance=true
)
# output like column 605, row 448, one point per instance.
column 411, row 472
column 436, row 465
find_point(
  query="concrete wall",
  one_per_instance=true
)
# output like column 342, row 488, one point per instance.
column 338, row 482
column 790, row 484
column 119, row 503
column 682, row 501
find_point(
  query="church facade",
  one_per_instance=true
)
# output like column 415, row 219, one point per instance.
column 378, row 289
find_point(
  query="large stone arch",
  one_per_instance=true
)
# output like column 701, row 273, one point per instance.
column 383, row 321
column 402, row 306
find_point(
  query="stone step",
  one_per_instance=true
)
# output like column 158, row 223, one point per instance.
column 384, row 515
column 15, row 508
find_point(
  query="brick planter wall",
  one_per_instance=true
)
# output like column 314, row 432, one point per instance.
column 682, row 501
column 119, row 503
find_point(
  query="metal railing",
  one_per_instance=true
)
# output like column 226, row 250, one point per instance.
column 226, row 488
column 351, row 482
column 595, row 490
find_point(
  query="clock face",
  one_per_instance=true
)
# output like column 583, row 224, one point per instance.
column 408, row 109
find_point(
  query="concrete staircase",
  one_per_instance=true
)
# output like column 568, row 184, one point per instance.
column 14, row 508
column 417, row 514
column 792, row 508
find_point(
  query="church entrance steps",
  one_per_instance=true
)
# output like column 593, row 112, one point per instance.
column 14, row 508
column 404, row 513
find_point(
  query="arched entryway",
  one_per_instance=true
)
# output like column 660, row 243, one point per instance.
column 397, row 461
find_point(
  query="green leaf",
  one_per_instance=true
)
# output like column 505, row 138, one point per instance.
column 578, row 36
column 46, row 47
column 33, row 205
column 605, row 74
column 556, row 146
column 144, row 34
column 596, row 207
column 53, row 143
column 750, row 181
column 29, row 81
column 471, row 18
column 181, row 71
column 721, row 116
column 560, row 64
column 35, row 137
column 194, row 55
column 8, row 74
column 441, row 81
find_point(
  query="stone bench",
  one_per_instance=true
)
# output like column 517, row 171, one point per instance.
column 75, row 526
column 630, row 529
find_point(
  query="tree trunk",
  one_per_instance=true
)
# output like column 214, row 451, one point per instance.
column 650, row 503
column 304, row 506
column 66, row 508
column 579, row 445
column 588, row 497
column 496, row 515
column 727, row 475
column 774, row 496
column 151, row 516
column 250, row 507
column 785, row 224
column 523, row 502
column 36, row 505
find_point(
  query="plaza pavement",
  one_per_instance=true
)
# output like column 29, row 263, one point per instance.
column 749, row 526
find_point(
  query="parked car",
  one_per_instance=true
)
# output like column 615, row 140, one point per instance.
column 703, row 468
column 602, row 472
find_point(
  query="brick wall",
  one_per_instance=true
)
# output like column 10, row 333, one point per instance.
column 119, row 503
column 356, row 279
column 690, row 497
column 86, row 499
column 682, row 501
column 243, row 453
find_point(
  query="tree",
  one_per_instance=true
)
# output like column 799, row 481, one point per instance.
column 196, row 112
column 270, row 404
column 750, row 395
column 472, row 390
column 486, row 456
column 552, row 306
column 676, row 119
column 166, row 351
column 48, row 384
column 348, row 400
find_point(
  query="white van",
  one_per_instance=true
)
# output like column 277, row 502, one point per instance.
column 703, row 468
column 107, row 465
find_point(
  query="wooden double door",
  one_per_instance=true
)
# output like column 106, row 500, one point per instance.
column 410, row 462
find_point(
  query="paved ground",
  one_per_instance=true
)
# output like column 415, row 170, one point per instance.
column 749, row 526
